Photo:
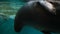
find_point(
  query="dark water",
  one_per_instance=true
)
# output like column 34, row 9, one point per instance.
column 7, row 27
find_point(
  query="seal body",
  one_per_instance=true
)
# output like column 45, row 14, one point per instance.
column 37, row 14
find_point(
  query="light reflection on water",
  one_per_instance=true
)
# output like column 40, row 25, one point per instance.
column 12, row 16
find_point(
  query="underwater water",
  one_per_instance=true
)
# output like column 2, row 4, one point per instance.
column 7, row 27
